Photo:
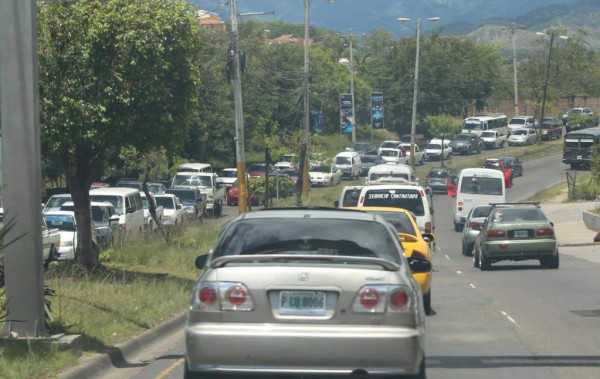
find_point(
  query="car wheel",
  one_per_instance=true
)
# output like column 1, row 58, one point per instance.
column 550, row 262
column 466, row 251
column 422, row 160
column 458, row 227
column 475, row 258
column 484, row 262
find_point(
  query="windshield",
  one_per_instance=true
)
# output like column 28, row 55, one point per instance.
column 229, row 174
column 192, row 180
column 315, row 236
column 360, row 146
column 324, row 169
column 368, row 159
column 390, row 153
column 167, row 202
column 488, row 134
column 481, row 185
column 257, row 167
column 155, row 188
column 438, row 174
column 57, row 202
column 400, row 221
column 517, row 121
column 473, row 125
column 116, row 201
column 521, row 132
column 462, row 137
column 576, row 110
column 434, row 146
column 187, row 196
column 409, row 199
column 342, row 160
column 390, row 144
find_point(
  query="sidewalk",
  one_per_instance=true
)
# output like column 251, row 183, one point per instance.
column 574, row 238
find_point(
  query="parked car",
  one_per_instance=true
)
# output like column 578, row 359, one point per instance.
column 283, row 165
column 256, row 170
column 363, row 148
column 324, row 175
column 233, row 194
column 65, row 222
column 551, row 128
column 392, row 155
column 420, row 153
column 56, row 201
column 466, row 143
column 129, row 207
column 149, row 224
column 523, row 136
column 105, row 222
column 173, row 212
column 228, row 176
column 420, row 140
column 368, row 161
column 518, row 233
column 492, row 139
column 515, row 164
column 437, row 150
column 415, row 243
column 304, row 281
column 519, row 122
column 349, row 162
column 388, row 144
column 192, row 201
column 156, row 188
column 576, row 111
column 438, row 178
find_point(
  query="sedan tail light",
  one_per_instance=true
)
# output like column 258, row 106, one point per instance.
column 545, row 232
column 496, row 233
column 382, row 298
column 222, row 296
column 428, row 228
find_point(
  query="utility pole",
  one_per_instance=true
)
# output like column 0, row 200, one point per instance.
column 21, row 161
column 351, row 68
column 515, row 83
column 239, row 114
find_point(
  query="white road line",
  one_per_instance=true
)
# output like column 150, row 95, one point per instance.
column 459, row 272
column 509, row 318
column 472, row 285
column 447, row 257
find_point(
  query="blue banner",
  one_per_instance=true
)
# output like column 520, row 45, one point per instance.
column 377, row 110
column 316, row 121
column 346, row 116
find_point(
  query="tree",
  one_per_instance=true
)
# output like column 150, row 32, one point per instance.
column 113, row 73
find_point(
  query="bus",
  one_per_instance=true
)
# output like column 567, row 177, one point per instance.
column 578, row 145
column 487, row 121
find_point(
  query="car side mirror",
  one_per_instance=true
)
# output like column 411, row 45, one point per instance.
column 428, row 237
column 113, row 220
column 201, row 261
column 419, row 265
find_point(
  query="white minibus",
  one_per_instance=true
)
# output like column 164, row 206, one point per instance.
column 128, row 205
column 477, row 186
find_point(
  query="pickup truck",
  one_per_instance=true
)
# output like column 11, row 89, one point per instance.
column 214, row 194
column 492, row 139
column 50, row 243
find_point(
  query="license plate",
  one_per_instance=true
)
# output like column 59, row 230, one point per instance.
column 579, row 157
column 302, row 303
column 520, row 234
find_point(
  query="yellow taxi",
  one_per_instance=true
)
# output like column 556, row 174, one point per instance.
column 415, row 243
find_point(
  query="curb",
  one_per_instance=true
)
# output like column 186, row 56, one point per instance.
column 114, row 356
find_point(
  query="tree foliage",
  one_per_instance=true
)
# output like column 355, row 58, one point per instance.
column 115, row 73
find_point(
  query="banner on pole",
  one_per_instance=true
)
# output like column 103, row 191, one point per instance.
column 316, row 121
column 377, row 110
column 346, row 116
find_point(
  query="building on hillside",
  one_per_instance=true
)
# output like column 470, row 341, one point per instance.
column 210, row 20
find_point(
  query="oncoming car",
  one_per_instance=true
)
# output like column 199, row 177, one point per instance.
column 517, row 233
column 415, row 244
column 326, row 291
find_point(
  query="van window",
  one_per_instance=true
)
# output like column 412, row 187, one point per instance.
column 116, row 201
column 192, row 180
column 375, row 176
column 342, row 160
column 351, row 198
column 409, row 199
column 480, row 185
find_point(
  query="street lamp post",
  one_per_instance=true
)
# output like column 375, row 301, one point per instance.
column 545, row 86
column 304, row 149
column 513, row 30
column 413, row 121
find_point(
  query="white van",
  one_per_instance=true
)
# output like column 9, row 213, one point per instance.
column 477, row 186
column 128, row 205
column 390, row 171
column 413, row 198
column 348, row 197
column 195, row 168
column 349, row 162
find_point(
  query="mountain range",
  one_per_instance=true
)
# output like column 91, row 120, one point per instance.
column 481, row 19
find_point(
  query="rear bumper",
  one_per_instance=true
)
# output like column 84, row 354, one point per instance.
column 272, row 348
column 519, row 250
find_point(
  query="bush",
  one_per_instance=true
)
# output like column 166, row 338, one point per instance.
column 257, row 187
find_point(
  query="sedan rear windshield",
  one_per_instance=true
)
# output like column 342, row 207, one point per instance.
column 400, row 221
column 308, row 236
column 517, row 214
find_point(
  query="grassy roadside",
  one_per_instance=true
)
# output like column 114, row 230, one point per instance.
column 142, row 284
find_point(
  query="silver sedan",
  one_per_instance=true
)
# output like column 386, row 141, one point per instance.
column 306, row 291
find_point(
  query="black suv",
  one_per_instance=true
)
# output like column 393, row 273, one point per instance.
column 466, row 143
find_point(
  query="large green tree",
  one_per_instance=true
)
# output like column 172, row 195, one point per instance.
column 113, row 73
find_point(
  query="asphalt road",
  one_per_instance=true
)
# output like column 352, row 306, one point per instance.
column 516, row 321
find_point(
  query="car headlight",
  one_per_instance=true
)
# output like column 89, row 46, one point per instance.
column 190, row 209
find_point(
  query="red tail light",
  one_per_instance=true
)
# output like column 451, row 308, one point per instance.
column 399, row 299
column 207, row 295
column 545, row 232
column 496, row 233
column 473, row 224
column 369, row 298
column 428, row 227
column 237, row 295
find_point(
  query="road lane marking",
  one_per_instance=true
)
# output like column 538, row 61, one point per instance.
column 459, row 272
column 509, row 318
column 447, row 257
column 163, row 374
column 472, row 285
